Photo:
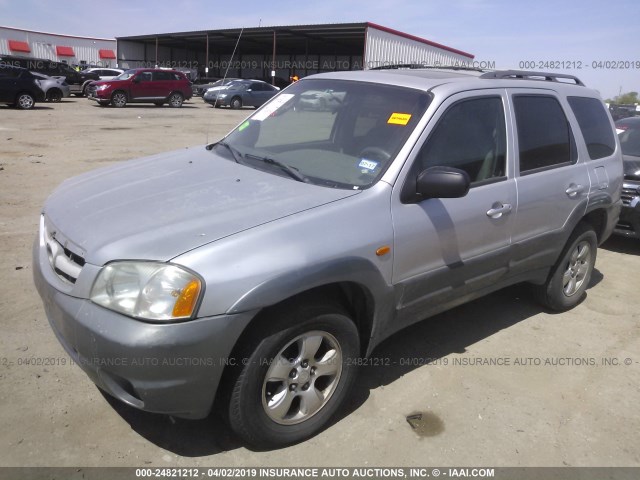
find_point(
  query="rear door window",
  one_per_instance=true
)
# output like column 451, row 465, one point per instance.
column 544, row 136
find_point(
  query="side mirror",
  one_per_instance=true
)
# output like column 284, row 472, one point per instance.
column 442, row 182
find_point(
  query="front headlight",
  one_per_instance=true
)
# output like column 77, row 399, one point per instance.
column 147, row 290
column 222, row 95
column 99, row 88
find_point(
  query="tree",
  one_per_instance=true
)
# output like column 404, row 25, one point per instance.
column 628, row 98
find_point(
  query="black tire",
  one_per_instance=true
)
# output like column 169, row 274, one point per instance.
column 54, row 95
column 569, row 278
column 24, row 101
column 85, row 90
column 119, row 99
column 235, row 103
column 280, row 412
column 175, row 100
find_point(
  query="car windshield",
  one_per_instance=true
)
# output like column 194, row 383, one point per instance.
column 127, row 74
column 630, row 140
column 338, row 133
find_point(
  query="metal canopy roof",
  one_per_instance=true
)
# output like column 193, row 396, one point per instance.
column 337, row 39
column 331, row 39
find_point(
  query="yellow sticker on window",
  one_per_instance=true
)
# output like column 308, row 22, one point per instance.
column 399, row 118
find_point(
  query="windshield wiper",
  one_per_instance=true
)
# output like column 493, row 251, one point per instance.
column 235, row 153
column 291, row 171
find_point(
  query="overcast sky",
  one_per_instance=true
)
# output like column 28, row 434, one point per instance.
column 577, row 32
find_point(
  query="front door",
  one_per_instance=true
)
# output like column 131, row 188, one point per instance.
column 447, row 249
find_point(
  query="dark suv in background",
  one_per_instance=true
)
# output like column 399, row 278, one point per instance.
column 629, row 134
column 18, row 87
column 143, row 85
column 77, row 81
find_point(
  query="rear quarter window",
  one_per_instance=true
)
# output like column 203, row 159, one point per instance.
column 594, row 125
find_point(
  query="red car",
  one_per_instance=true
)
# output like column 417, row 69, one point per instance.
column 142, row 85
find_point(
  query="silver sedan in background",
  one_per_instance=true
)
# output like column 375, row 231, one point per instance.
column 54, row 88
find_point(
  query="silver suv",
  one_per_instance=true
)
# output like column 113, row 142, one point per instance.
column 256, row 271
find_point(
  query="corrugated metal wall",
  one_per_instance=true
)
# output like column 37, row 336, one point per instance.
column 43, row 45
column 384, row 48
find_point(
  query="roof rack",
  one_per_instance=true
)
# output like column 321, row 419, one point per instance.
column 416, row 66
column 525, row 75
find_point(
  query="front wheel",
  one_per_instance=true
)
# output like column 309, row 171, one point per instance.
column 119, row 99
column 295, row 378
column 568, row 281
column 236, row 103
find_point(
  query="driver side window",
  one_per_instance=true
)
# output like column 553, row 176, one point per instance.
column 470, row 136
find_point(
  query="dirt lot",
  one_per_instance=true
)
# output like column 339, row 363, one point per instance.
column 511, row 385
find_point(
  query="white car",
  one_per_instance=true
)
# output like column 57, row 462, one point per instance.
column 105, row 73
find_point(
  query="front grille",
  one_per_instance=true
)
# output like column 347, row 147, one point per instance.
column 626, row 226
column 65, row 262
column 629, row 192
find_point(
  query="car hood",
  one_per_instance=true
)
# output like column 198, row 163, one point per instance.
column 631, row 165
column 159, row 207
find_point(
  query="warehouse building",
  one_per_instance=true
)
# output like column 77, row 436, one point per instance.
column 272, row 53
column 283, row 51
column 60, row 48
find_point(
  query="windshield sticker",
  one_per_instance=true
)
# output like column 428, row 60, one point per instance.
column 367, row 165
column 274, row 105
column 243, row 126
column 399, row 118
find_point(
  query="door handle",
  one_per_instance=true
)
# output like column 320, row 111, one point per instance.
column 497, row 209
column 573, row 190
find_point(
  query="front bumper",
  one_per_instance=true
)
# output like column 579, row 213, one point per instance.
column 629, row 223
column 172, row 369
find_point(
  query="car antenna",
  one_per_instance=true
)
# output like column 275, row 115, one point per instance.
column 225, row 73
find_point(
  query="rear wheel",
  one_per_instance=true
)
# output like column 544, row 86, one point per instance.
column 25, row 101
column 175, row 100
column 119, row 99
column 568, row 281
column 236, row 103
column 296, row 374
column 54, row 95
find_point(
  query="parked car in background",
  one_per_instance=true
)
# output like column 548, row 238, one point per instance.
column 200, row 90
column 55, row 89
column 142, row 85
column 105, row 73
column 320, row 100
column 629, row 135
column 77, row 81
column 19, row 87
column 241, row 93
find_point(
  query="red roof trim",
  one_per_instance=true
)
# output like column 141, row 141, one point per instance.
column 418, row 39
column 65, row 51
column 17, row 46
column 105, row 53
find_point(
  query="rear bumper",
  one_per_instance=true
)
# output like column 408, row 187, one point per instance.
column 172, row 369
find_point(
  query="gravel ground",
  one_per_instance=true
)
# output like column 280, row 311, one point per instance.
column 508, row 385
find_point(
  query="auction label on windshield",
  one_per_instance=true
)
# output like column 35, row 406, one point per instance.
column 274, row 105
column 399, row 118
